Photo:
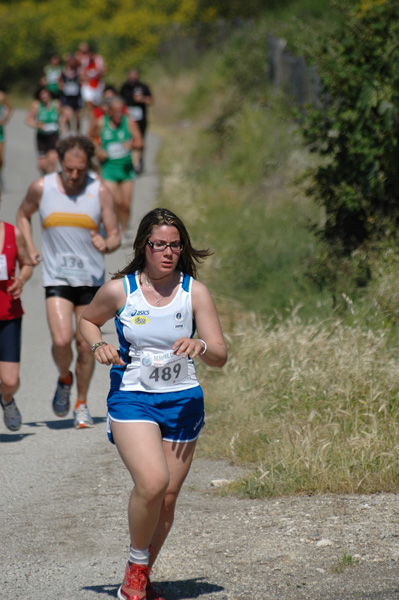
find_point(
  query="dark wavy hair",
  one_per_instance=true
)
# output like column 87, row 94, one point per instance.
column 162, row 216
column 76, row 141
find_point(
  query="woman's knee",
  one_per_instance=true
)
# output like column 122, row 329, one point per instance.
column 169, row 505
column 154, row 488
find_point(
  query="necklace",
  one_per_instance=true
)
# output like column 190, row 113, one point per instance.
column 149, row 284
column 150, row 287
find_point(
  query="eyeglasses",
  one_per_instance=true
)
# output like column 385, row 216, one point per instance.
column 161, row 246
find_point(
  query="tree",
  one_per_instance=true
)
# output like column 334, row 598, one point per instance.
column 355, row 131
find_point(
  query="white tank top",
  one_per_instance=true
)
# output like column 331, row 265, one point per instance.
column 69, row 257
column 146, row 335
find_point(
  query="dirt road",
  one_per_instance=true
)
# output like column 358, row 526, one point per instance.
column 63, row 493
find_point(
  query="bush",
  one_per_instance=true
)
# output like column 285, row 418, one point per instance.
column 355, row 132
column 127, row 32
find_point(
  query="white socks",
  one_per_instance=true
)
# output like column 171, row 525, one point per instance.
column 139, row 557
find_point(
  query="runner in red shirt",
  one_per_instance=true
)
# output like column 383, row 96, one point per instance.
column 13, row 251
column 92, row 74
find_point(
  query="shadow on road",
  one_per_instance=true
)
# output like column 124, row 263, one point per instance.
column 109, row 590
column 62, row 423
column 175, row 590
column 13, row 437
column 55, row 425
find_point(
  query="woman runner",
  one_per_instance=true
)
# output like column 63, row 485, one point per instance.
column 155, row 402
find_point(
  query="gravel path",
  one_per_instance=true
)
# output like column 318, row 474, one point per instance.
column 63, row 493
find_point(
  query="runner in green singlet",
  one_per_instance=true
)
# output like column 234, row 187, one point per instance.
column 115, row 136
column 45, row 116
column 52, row 74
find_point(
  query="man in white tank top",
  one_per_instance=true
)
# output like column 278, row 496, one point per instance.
column 72, row 205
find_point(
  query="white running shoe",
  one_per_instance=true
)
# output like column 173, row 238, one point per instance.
column 82, row 417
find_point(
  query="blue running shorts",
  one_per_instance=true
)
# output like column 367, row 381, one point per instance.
column 179, row 415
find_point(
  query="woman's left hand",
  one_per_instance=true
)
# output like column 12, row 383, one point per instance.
column 188, row 347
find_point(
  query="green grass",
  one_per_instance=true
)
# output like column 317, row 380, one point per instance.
column 345, row 561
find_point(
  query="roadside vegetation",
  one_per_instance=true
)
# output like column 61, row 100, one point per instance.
column 309, row 398
column 126, row 32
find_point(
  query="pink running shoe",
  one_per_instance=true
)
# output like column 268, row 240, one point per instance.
column 134, row 583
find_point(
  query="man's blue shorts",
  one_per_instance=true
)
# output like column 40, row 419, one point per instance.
column 179, row 415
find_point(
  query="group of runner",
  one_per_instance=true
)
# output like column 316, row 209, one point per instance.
column 117, row 123
column 97, row 173
column 79, row 226
column 155, row 402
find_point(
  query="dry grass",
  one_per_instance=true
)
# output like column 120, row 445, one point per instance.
column 314, row 407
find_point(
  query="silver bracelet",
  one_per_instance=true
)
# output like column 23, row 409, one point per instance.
column 205, row 347
column 94, row 347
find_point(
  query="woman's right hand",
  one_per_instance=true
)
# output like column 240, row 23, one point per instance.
column 108, row 355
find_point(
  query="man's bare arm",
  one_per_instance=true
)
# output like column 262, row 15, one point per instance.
column 110, row 222
column 28, row 207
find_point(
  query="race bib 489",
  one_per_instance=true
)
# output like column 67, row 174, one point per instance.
column 163, row 369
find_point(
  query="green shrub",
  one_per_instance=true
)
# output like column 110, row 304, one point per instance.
column 355, row 131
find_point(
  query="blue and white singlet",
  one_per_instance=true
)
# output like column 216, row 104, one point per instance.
column 146, row 335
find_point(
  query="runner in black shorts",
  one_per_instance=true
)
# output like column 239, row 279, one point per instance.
column 74, row 207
